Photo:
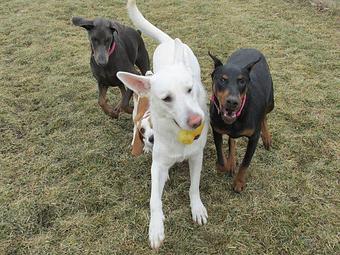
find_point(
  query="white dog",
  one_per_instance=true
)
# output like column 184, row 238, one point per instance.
column 179, row 117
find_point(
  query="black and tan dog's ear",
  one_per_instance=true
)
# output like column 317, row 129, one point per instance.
column 137, row 145
column 252, row 64
column 81, row 22
column 217, row 62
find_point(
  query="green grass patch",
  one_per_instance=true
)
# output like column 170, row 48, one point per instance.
column 68, row 184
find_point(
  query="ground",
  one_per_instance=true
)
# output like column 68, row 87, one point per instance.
column 68, row 183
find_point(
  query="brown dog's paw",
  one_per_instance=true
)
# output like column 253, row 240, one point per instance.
column 114, row 114
column 239, row 185
column 267, row 143
column 225, row 169
column 220, row 168
column 127, row 109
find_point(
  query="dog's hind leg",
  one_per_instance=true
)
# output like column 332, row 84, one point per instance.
column 126, row 96
column 265, row 135
column 198, row 211
column 240, row 179
column 159, row 175
column 102, row 101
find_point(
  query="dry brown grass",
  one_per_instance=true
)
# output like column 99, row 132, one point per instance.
column 68, row 184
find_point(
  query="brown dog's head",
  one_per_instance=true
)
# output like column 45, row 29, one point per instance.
column 101, row 36
column 230, row 84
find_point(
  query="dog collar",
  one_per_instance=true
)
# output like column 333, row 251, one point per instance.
column 188, row 136
column 112, row 49
column 238, row 113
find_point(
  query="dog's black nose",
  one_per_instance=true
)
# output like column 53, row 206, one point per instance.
column 232, row 103
column 151, row 139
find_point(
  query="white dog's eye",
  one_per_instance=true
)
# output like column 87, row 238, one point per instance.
column 189, row 90
column 167, row 99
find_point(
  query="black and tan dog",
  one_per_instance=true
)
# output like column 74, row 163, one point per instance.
column 115, row 47
column 242, row 97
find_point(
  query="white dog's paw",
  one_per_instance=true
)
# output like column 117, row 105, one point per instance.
column 199, row 213
column 156, row 232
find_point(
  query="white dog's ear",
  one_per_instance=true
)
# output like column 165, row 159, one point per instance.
column 179, row 52
column 137, row 83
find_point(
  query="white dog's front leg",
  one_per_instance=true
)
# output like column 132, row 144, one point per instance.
column 159, row 174
column 198, row 211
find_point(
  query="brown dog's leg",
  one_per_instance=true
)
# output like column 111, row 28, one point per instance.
column 102, row 101
column 221, row 160
column 240, row 179
column 265, row 135
column 231, row 161
column 126, row 95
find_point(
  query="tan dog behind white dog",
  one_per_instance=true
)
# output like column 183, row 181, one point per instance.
column 178, row 109
column 143, row 137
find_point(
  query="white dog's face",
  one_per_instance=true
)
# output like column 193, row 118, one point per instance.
column 173, row 94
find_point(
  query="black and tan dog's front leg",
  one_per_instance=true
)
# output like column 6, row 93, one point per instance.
column 102, row 101
column 231, row 160
column 126, row 96
column 225, row 165
column 240, row 179
column 221, row 160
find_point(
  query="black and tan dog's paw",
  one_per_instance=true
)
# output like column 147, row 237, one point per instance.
column 239, row 185
column 267, row 141
column 226, row 168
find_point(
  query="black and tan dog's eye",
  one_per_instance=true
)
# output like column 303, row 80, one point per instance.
column 142, row 130
column 167, row 99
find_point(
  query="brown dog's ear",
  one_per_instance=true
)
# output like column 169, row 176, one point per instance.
column 113, row 26
column 81, row 22
column 217, row 62
column 138, row 145
column 252, row 64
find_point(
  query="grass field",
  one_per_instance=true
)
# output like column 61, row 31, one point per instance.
column 68, row 184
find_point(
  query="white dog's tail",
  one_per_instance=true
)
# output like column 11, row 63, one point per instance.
column 141, row 23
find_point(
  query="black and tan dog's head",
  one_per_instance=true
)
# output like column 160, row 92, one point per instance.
column 101, row 36
column 230, row 84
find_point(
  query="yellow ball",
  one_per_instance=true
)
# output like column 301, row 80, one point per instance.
column 188, row 136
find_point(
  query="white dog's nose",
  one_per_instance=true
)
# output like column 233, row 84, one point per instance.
column 194, row 120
